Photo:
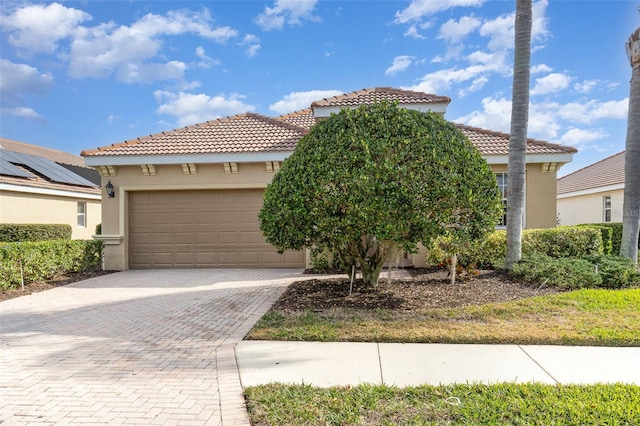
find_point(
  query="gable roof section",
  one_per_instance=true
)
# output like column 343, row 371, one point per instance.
column 379, row 94
column 241, row 133
column 55, row 155
column 491, row 143
column 606, row 172
column 50, row 172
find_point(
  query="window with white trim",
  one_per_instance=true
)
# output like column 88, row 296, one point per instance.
column 606, row 208
column 82, row 214
column 502, row 185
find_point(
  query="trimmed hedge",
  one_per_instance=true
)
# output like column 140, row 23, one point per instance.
column 22, row 232
column 616, row 235
column 490, row 252
column 45, row 260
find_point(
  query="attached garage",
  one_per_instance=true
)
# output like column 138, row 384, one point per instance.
column 201, row 229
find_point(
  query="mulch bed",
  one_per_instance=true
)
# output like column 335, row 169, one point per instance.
column 424, row 289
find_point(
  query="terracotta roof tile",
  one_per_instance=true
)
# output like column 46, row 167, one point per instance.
column 609, row 171
column 378, row 94
column 492, row 143
column 240, row 133
column 303, row 118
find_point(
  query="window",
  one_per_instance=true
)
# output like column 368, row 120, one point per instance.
column 502, row 185
column 82, row 214
column 606, row 208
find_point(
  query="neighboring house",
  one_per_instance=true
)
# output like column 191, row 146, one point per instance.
column 42, row 185
column 593, row 194
column 190, row 197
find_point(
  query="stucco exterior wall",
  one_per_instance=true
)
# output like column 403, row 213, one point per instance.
column 167, row 177
column 540, row 204
column 19, row 207
column 588, row 208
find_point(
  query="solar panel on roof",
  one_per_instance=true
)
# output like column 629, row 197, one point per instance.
column 40, row 165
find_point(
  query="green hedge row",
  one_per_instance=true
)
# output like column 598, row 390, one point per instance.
column 22, row 232
column 616, row 235
column 44, row 260
column 490, row 252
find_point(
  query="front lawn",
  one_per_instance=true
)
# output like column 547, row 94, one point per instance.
column 523, row 404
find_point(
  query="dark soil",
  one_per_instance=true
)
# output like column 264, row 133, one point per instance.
column 36, row 287
column 422, row 289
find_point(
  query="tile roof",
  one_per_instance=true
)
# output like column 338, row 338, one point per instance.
column 492, row 143
column 303, row 118
column 609, row 171
column 40, row 151
column 378, row 94
column 240, row 133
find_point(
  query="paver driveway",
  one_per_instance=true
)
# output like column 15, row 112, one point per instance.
column 134, row 347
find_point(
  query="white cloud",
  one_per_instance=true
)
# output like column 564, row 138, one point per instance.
column 300, row 100
column 580, row 137
column 455, row 31
column 476, row 85
column 552, row 83
column 39, row 28
column 585, row 86
column 501, row 29
column 412, row 31
column 189, row 108
column 400, row 63
column 142, row 73
column 421, row 8
column 442, row 80
column 290, row 12
column 593, row 110
column 206, row 61
column 252, row 43
column 19, row 80
column 539, row 69
column 106, row 49
column 550, row 121
column 24, row 112
column 112, row 118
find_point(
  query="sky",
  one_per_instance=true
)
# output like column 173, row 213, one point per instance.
column 76, row 75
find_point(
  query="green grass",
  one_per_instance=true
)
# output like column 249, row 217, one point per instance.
column 513, row 404
column 584, row 317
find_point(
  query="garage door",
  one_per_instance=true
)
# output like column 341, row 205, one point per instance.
column 200, row 229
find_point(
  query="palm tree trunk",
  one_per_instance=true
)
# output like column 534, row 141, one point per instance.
column 518, row 138
column 631, row 206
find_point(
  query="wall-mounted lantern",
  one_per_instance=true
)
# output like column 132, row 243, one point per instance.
column 109, row 187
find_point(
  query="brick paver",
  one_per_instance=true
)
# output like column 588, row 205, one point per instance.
column 134, row 347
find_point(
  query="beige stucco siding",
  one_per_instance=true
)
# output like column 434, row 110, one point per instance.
column 540, row 204
column 589, row 208
column 20, row 207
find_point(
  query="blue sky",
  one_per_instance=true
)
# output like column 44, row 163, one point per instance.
column 76, row 75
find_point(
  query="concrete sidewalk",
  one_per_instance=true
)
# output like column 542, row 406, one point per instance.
column 397, row 364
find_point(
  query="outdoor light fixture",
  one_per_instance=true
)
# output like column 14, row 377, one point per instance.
column 109, row 188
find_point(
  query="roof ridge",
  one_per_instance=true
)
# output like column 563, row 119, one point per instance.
column 589, row 166
column 275, row 121
column 380, row 89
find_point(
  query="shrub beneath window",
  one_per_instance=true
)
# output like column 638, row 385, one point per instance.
column 45, row 260
column 21, row 232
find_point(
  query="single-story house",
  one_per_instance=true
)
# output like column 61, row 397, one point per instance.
column 190, row 197
column 43, row 185
column 593, row 194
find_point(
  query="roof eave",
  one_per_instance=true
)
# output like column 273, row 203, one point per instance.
column 561, row 158
column 231, row 157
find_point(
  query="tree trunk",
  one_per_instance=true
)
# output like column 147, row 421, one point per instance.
column 631, row 206
column 518, row 138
